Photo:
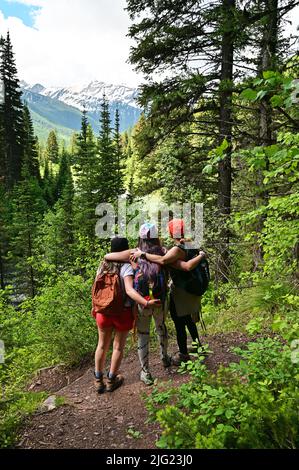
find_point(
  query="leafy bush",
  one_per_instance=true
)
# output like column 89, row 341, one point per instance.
column 254, row 404
column 62, row 323
column 253, row 309
column 55, row 327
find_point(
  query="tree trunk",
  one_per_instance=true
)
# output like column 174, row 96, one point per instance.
column 225, row 132
column 267, row 62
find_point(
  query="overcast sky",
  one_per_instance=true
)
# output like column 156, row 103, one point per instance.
column 65, row 42
column 70, row 42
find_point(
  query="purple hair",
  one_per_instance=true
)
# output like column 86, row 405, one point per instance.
column 150, row 270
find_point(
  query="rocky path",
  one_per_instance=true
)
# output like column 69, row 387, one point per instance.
column 91, row 421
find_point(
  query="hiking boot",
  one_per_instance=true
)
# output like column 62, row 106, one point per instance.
column 166, row 361
column 114, row 383
column 146, row 378
column 179, row 358
column 99, row 384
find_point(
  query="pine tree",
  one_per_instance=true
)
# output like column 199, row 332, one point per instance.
column 28, row 207
column 73, row 147
column 108, row 171
column 87, row 169
column 30, row 145
column 56, row 235
column 63, row 175
column 11, row 112
column 178, row 35
column 3, row 150
column 129, row 167
column 52, row 148
column 48, row 184
column 66, row 206
column 119, row 154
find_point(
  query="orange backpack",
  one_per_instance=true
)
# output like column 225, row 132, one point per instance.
column 107, row 292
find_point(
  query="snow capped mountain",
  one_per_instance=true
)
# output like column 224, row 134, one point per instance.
column 60, row 108
column 89, row 95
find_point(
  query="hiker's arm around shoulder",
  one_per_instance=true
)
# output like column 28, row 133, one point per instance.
column 171, row 256
column 133, row 294
column 122, row 256
column 189, row 265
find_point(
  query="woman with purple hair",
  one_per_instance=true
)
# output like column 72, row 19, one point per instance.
column 150, row 281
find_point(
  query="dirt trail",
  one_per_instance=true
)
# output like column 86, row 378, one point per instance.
column 91, row 421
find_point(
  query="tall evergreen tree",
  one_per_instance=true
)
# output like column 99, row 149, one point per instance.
column 181, row 34
column 3, row 152
column 66, row 206
column 52, row 148
column 87, row 170
column 11, row 116
column 119, row 154
column 30, row 145
column 56, row 235
column 268, row 60
column 228, row 40
column 108, row 171
column 28, row 207
column 64, row 173
column 49, row 184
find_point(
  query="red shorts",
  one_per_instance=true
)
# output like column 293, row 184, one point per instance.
column 123, row 322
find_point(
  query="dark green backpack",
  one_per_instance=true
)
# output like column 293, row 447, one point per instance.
column 196, row 281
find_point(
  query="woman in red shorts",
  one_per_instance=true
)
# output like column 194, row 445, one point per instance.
column 121, row 324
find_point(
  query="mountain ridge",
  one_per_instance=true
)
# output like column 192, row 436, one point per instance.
column 62, row 106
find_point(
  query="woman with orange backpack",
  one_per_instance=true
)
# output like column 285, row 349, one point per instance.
column 113, row 295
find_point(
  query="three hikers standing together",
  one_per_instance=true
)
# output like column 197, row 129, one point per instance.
column 131, row 288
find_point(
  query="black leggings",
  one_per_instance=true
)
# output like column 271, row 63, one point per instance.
column 180, row 325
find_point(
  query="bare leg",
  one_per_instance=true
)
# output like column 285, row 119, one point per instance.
column 118, row 350
column 102, row 348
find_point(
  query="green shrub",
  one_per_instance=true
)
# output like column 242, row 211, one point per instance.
column 62, row 323
column 253, row 309
column 55, row 327
column 254, row 404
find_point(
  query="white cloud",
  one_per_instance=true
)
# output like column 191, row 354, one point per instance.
column 76, row 41
column 73, row 41
column 37, row 3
